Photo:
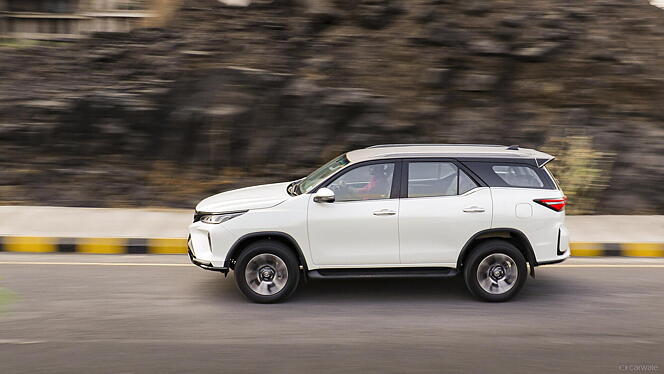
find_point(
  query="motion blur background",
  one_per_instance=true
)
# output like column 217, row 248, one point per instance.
column 159, row 103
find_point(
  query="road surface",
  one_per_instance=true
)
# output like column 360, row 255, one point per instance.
column 158, row 314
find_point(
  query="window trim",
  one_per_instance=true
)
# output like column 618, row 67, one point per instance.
column 395, row 191
column 460, row 167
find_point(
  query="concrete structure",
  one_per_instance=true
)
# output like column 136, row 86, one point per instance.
column 68, row 19
column 173, row 223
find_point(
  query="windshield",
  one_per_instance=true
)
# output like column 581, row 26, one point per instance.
column 322, row 173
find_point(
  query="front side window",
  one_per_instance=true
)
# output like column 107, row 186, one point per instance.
column 428, row 179
column 321, row 174
column 368, row 182
column 518, row 176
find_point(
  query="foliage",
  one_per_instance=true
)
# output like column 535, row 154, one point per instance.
column 582, row 172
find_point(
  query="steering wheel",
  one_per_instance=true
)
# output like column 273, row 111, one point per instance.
column 338, row 187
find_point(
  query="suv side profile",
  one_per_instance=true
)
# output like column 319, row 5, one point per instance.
column 490, row 213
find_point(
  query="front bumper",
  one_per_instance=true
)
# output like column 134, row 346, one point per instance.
column 204, row 264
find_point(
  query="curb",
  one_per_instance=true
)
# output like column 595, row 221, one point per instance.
column 586, row 249
column 35, row 244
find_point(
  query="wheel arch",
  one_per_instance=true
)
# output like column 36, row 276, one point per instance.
column 247, row 239
column 514, row 236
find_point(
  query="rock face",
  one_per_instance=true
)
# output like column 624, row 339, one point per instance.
column 231, row 95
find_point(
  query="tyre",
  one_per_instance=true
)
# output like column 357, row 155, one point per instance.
column 495, row 271
column 267, row 271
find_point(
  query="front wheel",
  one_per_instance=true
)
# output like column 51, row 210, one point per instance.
column 267, row 272
column 495, row 271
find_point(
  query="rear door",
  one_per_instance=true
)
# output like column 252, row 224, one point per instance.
column 441, row 207
column 524, row 199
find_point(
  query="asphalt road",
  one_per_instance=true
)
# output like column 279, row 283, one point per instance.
column 157, row 314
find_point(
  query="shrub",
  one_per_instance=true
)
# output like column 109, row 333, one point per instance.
column 582, row 172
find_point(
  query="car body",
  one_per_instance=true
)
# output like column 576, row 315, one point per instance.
column 391, row 210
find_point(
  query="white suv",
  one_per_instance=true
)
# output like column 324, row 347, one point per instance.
column 390, row 211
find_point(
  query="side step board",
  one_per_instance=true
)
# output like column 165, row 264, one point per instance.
column 383, row 273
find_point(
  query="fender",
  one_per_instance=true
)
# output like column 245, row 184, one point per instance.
column 530, row 254
column 266, row 235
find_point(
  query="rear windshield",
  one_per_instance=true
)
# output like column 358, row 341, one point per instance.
column 508, row 174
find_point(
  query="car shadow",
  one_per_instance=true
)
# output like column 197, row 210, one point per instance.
column 395, row 290
column 383, row 289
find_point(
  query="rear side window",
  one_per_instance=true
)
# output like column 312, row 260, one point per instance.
column 511, row 174
column 518, row 176
column 465, row 183
column 428, row 179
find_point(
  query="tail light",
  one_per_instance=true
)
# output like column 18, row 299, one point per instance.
column 557, row 204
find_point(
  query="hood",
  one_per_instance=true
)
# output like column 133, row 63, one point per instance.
column 256, row 197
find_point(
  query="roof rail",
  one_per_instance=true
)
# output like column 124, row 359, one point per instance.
column 434, row 145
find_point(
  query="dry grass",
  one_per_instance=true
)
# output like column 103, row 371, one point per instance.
column 163, row 10
column 583, row 172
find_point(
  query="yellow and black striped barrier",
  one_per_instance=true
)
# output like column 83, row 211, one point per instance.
column 33, row 244
column 583, row 249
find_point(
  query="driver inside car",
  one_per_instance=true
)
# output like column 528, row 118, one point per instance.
column 377, row 186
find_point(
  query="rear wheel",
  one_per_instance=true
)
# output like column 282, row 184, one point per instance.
column 495, row 271
column 267, row 272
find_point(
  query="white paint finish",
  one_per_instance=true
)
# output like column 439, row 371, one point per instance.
column 564, row 238
column 256, row 197
column 349, row 233
column 524, row 210
column 435, row 229
column 288, row 218
column 541, row 229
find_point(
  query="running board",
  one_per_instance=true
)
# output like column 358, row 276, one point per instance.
column 383, row 273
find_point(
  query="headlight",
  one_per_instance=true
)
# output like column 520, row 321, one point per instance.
column 220, row 218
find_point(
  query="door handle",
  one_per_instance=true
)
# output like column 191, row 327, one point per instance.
column 474, row 209
column 384, row 212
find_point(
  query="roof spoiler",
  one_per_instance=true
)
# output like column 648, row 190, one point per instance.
column 540, row 162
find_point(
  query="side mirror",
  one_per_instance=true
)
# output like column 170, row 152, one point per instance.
column 324, row 195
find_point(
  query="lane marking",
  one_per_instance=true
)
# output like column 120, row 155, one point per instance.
column 607, row 266
column 191, row 265
column 88, row 263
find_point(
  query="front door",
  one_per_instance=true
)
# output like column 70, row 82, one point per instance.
column 361, row 227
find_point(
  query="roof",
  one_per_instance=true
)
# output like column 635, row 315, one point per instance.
column 467, row 151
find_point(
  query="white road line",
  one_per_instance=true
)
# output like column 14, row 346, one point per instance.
column 607, row 266
column 163, row 264
column 88, row 263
